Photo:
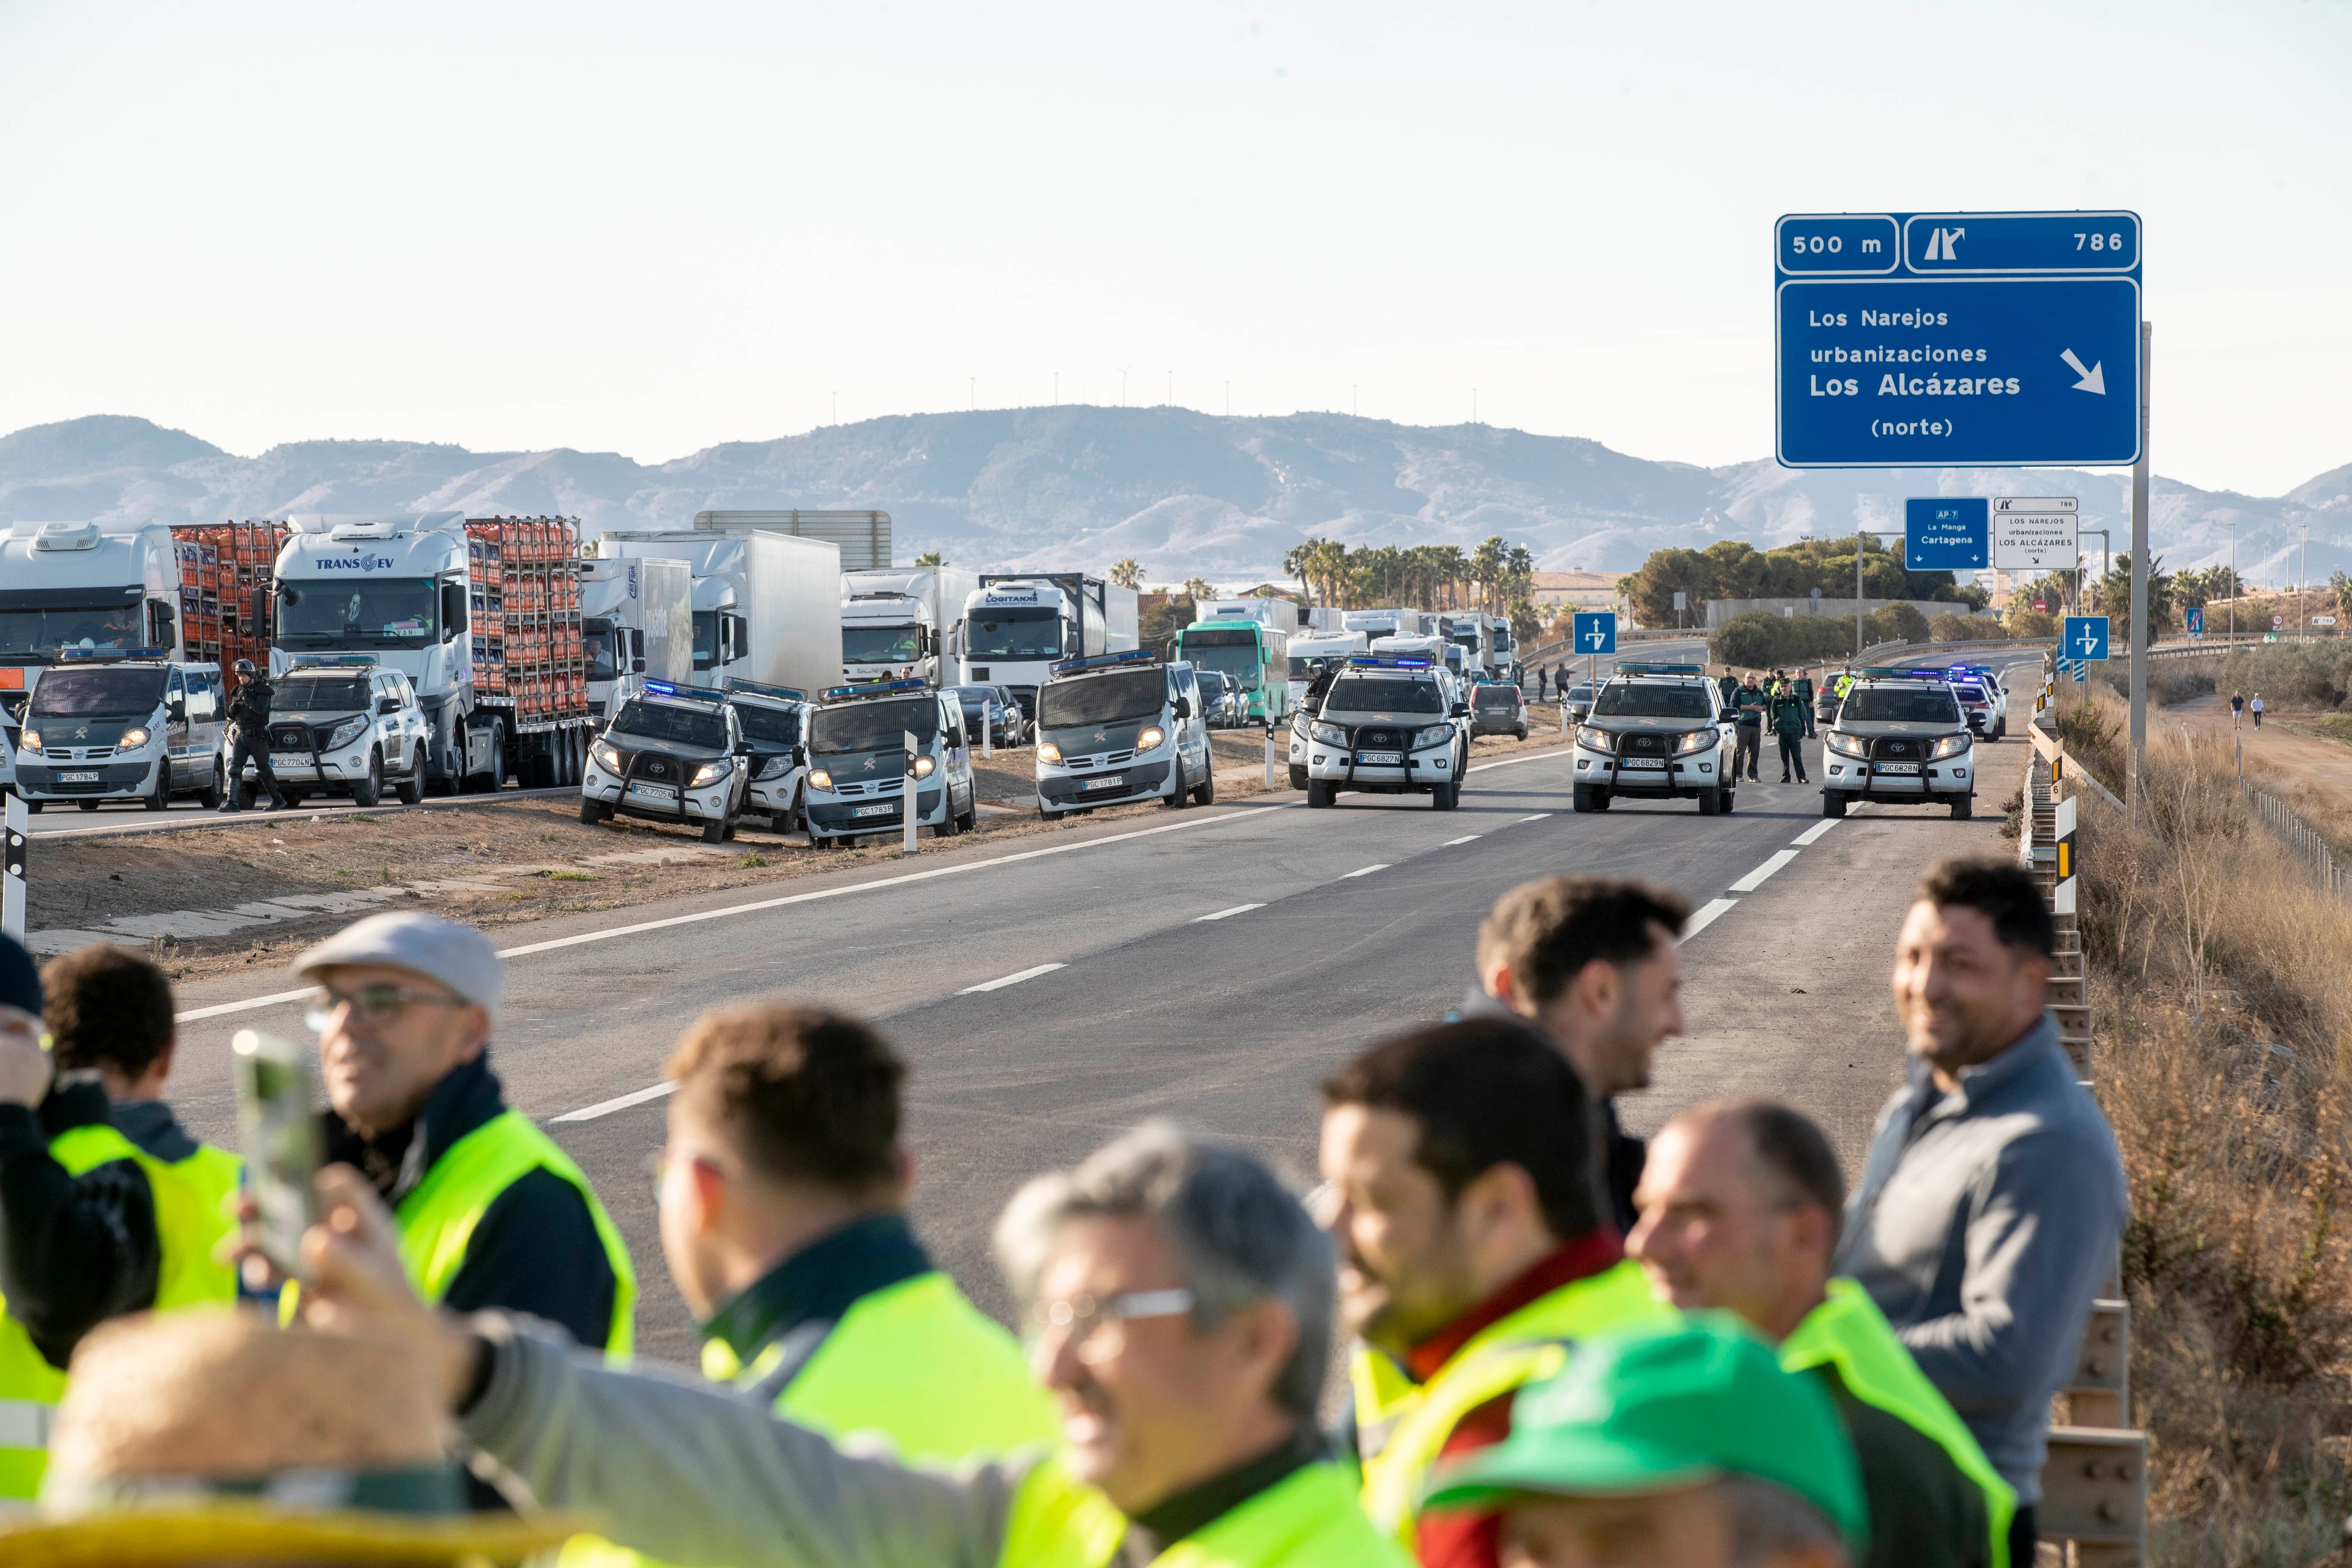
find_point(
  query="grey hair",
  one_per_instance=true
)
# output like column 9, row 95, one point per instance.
column 1239, row 1234
column 1768, row 1519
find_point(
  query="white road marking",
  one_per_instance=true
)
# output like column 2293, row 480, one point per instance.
column 271, row 1000
column 1366, row 871
column 1755, row 880
column 1464, row 839
column 1539, row 816
column 606, row 1106
column 1221, row 914
column 1012, row 979
column 1707, row 915
column 1814, row 832
column 1515, row 762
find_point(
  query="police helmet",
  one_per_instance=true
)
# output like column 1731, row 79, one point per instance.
column 245, row 669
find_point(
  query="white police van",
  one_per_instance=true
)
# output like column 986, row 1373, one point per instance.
column 771, row 717
column 339, row 724
column 858, row 761
column 1901, row 736
column 137, row 725
column 1390, row 724
column 1119, row 728
column 671, row 753
column 1657, row 731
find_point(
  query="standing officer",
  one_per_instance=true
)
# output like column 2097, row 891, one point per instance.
column 248, row 717
column 1727, row 685
column 1804, row 690
column 106, row 1205
column 1747, row 705
column 1789, row 713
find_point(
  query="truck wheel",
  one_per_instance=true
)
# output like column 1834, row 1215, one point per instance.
column 1601, row 799
column 1730, row 799
column 1206, row 795
column 86, row 804
column 411, row 788
column 1180, row 796
column 593, row 812
column 1963, row 806
column 714, row 831
column 1832, row 803
column 1710, row 803
column 1581, row 798
column 211, row 796
column 370, row 790
column 160, row 800
column 950, row 823
column 1318, row 793
column 1298, row 775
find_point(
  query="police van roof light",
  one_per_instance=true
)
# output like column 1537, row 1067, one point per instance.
column 67, row 653
column 735, row 683
column 1660, row 670
column 1385, row 661
column 334, row 661
column 871, row 689
column 684, row 694
column 1105, row 661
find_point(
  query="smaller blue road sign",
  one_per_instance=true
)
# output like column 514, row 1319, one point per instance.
column 1946, row 534
column 2197, row 621
column 2085, row 639
column 1596, row 631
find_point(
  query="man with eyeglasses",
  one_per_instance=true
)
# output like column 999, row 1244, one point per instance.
column 107, row 1207
column 491, row 1212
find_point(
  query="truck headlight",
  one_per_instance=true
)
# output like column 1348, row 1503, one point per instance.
column 132, row 739
column 1697, row 741
column 1048, row 753
column 1329, row 734
column 774, row 767
column 1591, row 739
column 1949, row 746
column 1844, row 745
column 29, row 739
column 820, row 779
column 1436, row 735
column 1153, row 735
column 608, row 757
column 344, row 734
column 711, row 773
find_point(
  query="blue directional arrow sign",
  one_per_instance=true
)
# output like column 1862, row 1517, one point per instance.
column 1595, row 631
column 1922, row 340
column 1946, row 533
column 2085, row 639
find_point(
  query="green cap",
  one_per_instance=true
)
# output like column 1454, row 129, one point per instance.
column 1660, row 1409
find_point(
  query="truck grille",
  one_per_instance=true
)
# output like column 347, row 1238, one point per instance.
column 1641, row 744
column 289, row 738
column 1898, row 746
column 1374, row 739
column 659, row 769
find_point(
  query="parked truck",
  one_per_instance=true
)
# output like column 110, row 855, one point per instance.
column 905, row 623
column 767, row 606
column 1285, row 616
column 1017, row 626
column 91, row 587
column 482, row 614
column 1307, row 652
column 862, row 537
column 636, row 618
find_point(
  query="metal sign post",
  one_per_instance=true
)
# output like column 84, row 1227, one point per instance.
column 16, row 830
column 908, row 794
column 2140, row 629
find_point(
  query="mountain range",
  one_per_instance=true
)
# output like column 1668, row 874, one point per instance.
column 1186, row 494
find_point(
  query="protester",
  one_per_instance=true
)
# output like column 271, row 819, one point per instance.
column 249, row 719
column 1682, row 1447
column 1180, row 1301
column 106, row 1205
column 1993, row 1200
column 212, row 1437
column 491, row 1213
column 1471, row 1237
column 1593, row 961
column 1740, row 1202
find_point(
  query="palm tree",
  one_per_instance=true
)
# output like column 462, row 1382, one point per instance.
column 1125, row 573
column 1196, row 588
column 930, row 558
column 1295, row 563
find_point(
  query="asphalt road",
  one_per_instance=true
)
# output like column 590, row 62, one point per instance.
column 1211, row 966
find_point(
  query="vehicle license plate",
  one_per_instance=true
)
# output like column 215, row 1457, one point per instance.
column 290, row 758
column 888, row 809
column 662, row 793
column 1111, row 783
column 1898, row 767
column 1380, row 759
column 77, row 778
column 1642, row 762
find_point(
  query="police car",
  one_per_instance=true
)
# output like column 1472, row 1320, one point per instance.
column 1389, row 725
column 671, row 753
column 771, row 721
column 857, row 761
column 1119, row 728
column 1900, row 736
column 136, row 725
column 1982, row 701
column 340, row 725
column 1657, row 731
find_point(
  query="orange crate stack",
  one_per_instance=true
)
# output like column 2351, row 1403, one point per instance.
column 221, row 566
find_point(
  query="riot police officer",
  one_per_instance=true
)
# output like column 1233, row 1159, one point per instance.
column 248, row 717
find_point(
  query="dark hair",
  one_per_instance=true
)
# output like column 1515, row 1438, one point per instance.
column 801, row 1092
column 1487, row 1091
column 1792, row 1149
column 2002, row 892
column 107, row 1007
column 1548, row 931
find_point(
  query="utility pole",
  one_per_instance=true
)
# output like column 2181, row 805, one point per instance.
column 1171, row 390
column 1057, row 389
column 2139, row 627
column 1122, row 386
column 972, row 390
column 1474, row 405
column 2233, row 579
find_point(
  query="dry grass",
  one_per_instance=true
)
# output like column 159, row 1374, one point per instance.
column 2221, row 980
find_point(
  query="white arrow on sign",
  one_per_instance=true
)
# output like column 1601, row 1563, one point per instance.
column 2090, row 641
column 2092, row 379
column 1597, row 636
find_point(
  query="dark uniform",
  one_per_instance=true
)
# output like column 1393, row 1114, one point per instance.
column 1804, row 690
column 1789, row 724
column 248, row 709
column 1748, row 711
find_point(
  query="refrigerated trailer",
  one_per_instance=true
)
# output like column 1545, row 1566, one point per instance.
column 636, row 618
column 767, row 607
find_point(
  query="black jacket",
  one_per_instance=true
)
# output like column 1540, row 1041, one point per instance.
column 248, row 706
column 77, row 1250
column 536, row 1250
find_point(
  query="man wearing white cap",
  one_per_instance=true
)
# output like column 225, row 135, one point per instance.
column 491, row 1212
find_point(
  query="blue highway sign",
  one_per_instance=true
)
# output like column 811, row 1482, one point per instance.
column 1923, row 339
column 2085, row 639
column 1946, row 533
column 2196, row 620
column 1595, row 631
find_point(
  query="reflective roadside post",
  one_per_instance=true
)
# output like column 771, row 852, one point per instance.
column 907, row 810
column 1269, row 755
column 15, row 825
column 988, row 726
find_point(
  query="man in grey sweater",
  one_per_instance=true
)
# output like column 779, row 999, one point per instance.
column 1992, row 1202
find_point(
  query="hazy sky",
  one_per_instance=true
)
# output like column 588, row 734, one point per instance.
column 648, row 228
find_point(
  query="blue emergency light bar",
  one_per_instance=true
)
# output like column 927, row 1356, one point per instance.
column 1105, row 661
column 1384, row 661
column 335, row 661
column 733, row 684
column 871, row 689
column 682, row 693
column 1662, row 669
column 67, row 653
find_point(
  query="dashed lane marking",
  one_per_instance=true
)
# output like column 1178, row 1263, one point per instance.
column 1365, row 871
column 1539, row 816
column 1014, row 978
column 606, row 1106
column 1221, row 914
column 1707, row 915
column 1814, row 832
column 1755, row 880
column 1464, row 839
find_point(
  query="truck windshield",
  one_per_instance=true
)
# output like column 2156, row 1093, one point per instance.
column 40, row 633
column 1100, row 699
column 1619, row 700
column 706, row 638
column 672, row 724
column 1891, row 705
column 317, row 693
column 1234, row 650
column 872, row 726
column 1383, row 694
column 395, row 612
column 1013, row 633
column 881, row 644
column 597, row 635
column 96, row 693
column 769, row 726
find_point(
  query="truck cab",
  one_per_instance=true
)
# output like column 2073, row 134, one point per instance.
column 771, row 721
column 1389, row 723
column 87, row 587
column 1120, row 727
column 672, row 753
column 858, row 762
column 1657, row 731
column 1309, row 652
column 132, row 725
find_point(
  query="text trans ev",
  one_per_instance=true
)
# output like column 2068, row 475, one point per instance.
column 1595, row 631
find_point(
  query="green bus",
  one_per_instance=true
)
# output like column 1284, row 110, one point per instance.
column 1253, row 654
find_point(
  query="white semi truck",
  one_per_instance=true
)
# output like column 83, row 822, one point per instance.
column 904, row 623
column 767, row 606
column 1472, row 632
column 93, row 587
column 1017, row 627
column 636, row 617
column 1308, row 651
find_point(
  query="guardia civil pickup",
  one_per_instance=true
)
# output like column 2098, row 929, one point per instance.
column 857, row 761
column 771, row 720
column 133, row 725
column 1900, row 736
column 1390, row 724
column 342, row 724
column 1121, row 727
column 672, row 753
column 1656, row 731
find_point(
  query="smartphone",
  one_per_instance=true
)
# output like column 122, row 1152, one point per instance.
column 279, row 1127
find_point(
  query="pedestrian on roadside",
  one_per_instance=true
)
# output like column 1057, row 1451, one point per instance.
column 248, row 730
column 1740, row 1205
column 1993, row 1200
column 1789, row 725
column 2237, row 708
column 1542, row 675
column 1457, row 1160
column 1747, row 714
column 107, row 1206
column 1805, row 696
column 1593, row 963
column 2257, row 706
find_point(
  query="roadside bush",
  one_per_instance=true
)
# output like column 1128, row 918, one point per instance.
column 1963, row 628
column 2290, row 674
column 1896, row 623
column 1759, row 640
column 2029, row 623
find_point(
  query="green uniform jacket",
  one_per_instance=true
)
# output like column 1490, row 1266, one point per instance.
column 1789, row 717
